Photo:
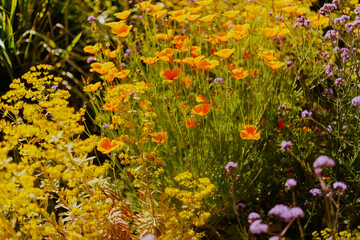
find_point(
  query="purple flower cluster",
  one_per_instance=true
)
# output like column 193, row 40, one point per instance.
column 230, row 166
column 315, row 192
column 302, row 22
column 285, row 145
column 340, row 186
column 329, row 68
column 257, row 227
column 323, row 161
column 218, row 80
column 91, row 19
column 284, row 212
column 356, row 101
column 290, row 183
column 306, row 113
column 253, row 216
column 331, row 35
column 327, row 8
column 342, row 19
column 345, row 54
column 339, row 81
column 240, row 206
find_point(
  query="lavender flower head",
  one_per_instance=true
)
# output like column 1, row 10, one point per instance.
column 315, row 192
column 306, row 113
column 340, row 186
column 148, row 237
column 323, row 161
column 91, row 19
column 285, row 145
column 274, row 238
column 356, row 101
column 281, row 210
column 257, row 227
column 297, row 212
column 240, row 206
column 230, row 166
column 290, row 183
column 253, row 216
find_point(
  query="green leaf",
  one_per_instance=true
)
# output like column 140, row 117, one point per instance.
column 13, row 8
column 71, row 46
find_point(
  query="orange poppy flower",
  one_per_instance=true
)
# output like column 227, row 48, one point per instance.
column 111, row 106
column 179, row 15
column 165, row 36
column 187, row 82
column 201, row 109
column 101, row 68
column 300, row 11
column 122, row 15
column 289, row 9
column 239, row 73
column 201, row 98
column 159, row 137
column 149, row 61
column 223, row 36
column 225, row 53
column 204, row 3
column 93, row 49
column 180, row 41
column 171, row 75
column 144, row 5
column 207, row 65
column 239, row 31
column 190, row 123
column 193, row 61
column 106, row 146
column 166, row 54
column 195, row 51
column 120, row 28
column 123, row 74
column 269, row 56
column 231, row 14
column 155, row 8
column 110, row 54
column 250, row 132
column 319, row 20
column 92, row 87
column 194, row 10
column 283, row 3
column 245, row 54
column 208, row 18
column 213, row 40
column 159, row 14
column 193, row 18
column 275, row 65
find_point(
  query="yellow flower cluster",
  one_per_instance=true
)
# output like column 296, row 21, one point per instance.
column 192, row 194
column 49, row 187
column 343, row 235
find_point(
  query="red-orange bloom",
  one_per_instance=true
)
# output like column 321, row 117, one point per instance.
column 239, row 73
column 101, row 68
column 201, row 109
column 171, row 75
column 207, row 65
column 190, row 123
column 166, row 54
column 149, row 61
column 225, row 53
column 159, row 137
column 106, row 146
column 92, row 87
column 111, row 106
column 120, row 28
column 250, row 132
column 123, row 15
column 275, row 65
